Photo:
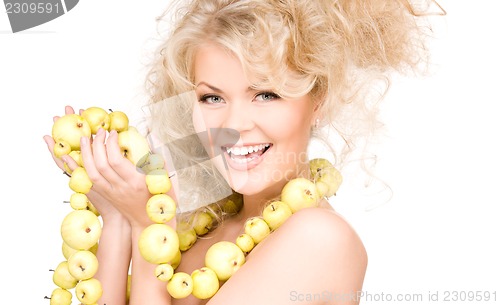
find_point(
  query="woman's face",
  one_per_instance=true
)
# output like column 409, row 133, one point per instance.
column 257, row 139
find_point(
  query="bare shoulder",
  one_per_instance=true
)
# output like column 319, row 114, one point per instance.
column 315, row 254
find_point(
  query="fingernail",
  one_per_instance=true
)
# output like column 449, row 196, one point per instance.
column 65, row 159
column 99, row 131
column 84, row 141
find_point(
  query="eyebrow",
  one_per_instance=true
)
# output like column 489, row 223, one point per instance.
column 217, row 89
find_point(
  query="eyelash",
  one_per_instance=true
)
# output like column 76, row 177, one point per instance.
column 203, row 99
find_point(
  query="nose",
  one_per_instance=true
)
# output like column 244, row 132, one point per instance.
column 239, row 116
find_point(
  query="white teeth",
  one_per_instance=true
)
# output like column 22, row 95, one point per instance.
column 245, row 150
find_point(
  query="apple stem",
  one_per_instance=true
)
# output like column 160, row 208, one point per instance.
column 52, row 270
column 110, row 110
column 65, row 173
column 46, row 298
column 65, row 201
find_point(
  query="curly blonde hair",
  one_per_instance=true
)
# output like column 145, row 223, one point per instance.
column 337, row 51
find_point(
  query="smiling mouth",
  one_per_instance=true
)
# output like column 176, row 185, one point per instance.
column 245, row 154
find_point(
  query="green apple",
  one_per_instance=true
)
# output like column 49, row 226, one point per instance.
column 67, row 251
column 276, row 213
column 60, row 296
column 176, row 261
column 81, row 229
column 164, row 272
column 97, row 118
column 80, row 181
column 300, row 193
column 328, row 179
column 160, row 208
column 158, row 181
column 118, row 121
column 245, row 242
column 187, row 235
column 205, row 283
column 133, row 146
column 88, row 291
column 225, row 258
column 158, row 243
column 153, row 162
column 62, row 278
column 257, row 228
column 82, row 264
column 70, row 128
column 202, row 222
column 232, row 204
column 61, row 148
column 180, row 285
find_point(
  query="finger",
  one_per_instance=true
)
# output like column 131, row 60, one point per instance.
column 88, row 159
column 70, row 162
column 69, row 110
column 101, row 159
column 122, row 166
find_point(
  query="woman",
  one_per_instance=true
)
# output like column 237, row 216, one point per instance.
column 238, row 91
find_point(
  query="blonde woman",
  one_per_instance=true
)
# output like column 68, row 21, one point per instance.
column 238, row 90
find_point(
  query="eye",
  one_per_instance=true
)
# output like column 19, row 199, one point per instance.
column 211, row 99
column 266, row 97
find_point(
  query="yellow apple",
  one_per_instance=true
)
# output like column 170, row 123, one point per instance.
column 61, row 148
column 153, row 162
column 158, row 181
column 187, row 235
column 327, row 177
column 133, row 146
column 118, row 121
column 79, row 201
column 160, row 208
column 77, row 156
column 88, row 291
column 81, row 229
column 180, row 285
column 164, row 272
column 176, row 261
column 80, row 181
column 158, row 243
column 245, row 242
column 202, row 222
column 67, row 251
column 225, row 258
column 205, row 283
column 276, row 213
column 70, row 128
column 62, row 278
column 97, row 118
column 300, row 193
column 60, row 296
column 82, row 264
column 257, row 228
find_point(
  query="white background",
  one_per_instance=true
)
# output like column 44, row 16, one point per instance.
column 440, row 153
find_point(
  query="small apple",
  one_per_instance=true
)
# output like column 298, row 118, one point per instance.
column 276, row 213
column 158, row 181
column 97, row 118
column 176, row 261
column 164, row 272
column 60, row 296
column 327, row 177
column 225, row 258
column 79, row 201
column 88, row 291
column 70, row 128
column 67, row 251
column 118, row 121
column 158, row 243
column 202, row 223
column 133, row 146
column 180, row 285
column 80, row 181
column 61, row 148
column 205, row 283
column 82, row 264
column 187, row 235
column 245, row 242
column 62, row 278
column 81, row 229
column 257, row 228
column 77, row 156
column 160, row 208
column 299, row 193
column 153, row 162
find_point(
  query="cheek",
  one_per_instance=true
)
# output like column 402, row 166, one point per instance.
column 198, row 119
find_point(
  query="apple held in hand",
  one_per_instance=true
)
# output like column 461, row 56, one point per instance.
column 97, row 118
column 80, row 181
column 158, row 243
column 276, row 213
column 118, row 121
column 160, row 208
column 257, row 228
column 77, row 156
column 300, row 193
column 61, row 148
column 83, row 264
column 133, row 146
column 79, row 201
column 180, row 285
column 62, row 278
column 88, row 291
column 70, row 128
column 60, row 296
column 224, row 258
column 158, row 181
column 81, row 229
column 205, row 283
column 153, row 162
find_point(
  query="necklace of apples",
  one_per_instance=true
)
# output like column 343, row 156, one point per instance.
column 162, row 245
